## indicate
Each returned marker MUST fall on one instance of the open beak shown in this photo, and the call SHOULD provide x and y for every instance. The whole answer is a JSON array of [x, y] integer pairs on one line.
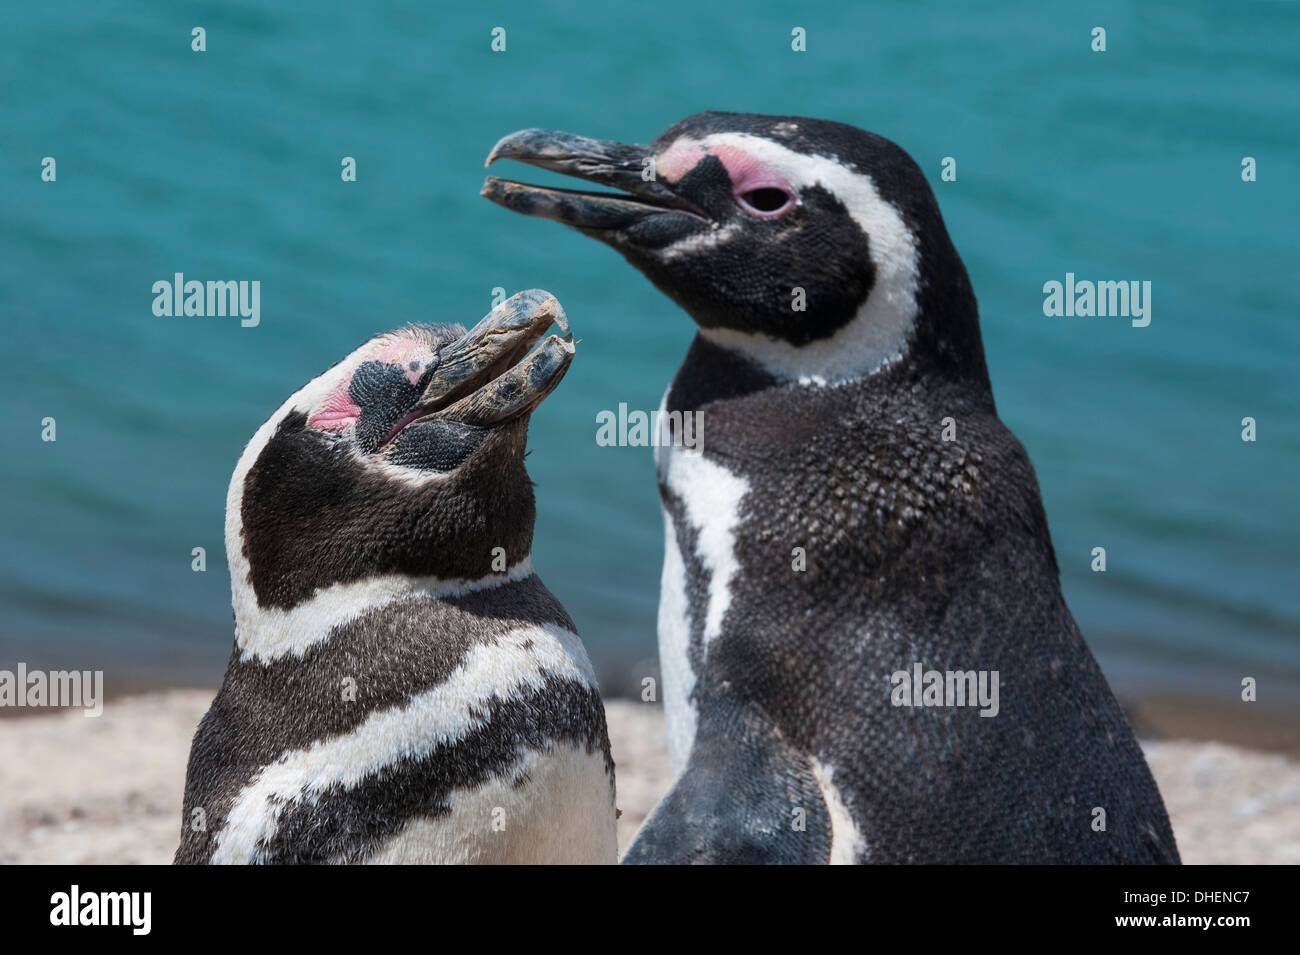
[[605, 163], [484, 378]]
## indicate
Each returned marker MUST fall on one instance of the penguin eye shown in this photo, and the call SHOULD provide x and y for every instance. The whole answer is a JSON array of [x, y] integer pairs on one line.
[[768, 201]]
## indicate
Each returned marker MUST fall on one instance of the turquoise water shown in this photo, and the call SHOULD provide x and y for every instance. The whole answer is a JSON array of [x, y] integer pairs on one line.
[[225, 164]]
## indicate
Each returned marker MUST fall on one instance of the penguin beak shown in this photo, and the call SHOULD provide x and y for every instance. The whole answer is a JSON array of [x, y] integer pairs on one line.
[[484, 378], [606, 163]]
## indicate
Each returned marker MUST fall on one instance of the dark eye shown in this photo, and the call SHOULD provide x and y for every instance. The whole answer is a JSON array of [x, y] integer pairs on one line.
[[766, 201]]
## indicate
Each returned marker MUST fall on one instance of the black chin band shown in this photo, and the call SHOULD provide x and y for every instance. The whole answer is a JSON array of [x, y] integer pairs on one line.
[[436, 445]]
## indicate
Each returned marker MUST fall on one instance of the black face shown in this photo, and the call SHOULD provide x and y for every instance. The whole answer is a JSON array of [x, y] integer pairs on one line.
[[761, 263], [406, 459], [731, 231]]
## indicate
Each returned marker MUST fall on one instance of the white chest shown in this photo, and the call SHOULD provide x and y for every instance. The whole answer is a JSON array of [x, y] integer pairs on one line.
[[554, 804], [710, 500], [563, 814]]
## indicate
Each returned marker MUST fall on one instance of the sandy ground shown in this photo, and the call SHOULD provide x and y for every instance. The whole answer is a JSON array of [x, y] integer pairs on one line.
[[108, 790]]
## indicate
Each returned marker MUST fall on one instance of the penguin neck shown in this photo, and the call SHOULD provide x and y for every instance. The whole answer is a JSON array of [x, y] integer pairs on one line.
[[929, 329], [875, 336], [948, 359], [269, 633], [712, 372]]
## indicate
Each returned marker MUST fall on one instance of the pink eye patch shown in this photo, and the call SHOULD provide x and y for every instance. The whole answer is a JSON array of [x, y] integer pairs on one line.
[[757, 187], [338, 410]]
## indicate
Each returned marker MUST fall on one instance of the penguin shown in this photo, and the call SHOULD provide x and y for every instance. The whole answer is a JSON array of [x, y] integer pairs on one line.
[[856, 516], [403, 688]]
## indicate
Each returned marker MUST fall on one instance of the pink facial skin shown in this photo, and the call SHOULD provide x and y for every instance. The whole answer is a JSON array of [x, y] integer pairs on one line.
[[746, 173], [338, 410]]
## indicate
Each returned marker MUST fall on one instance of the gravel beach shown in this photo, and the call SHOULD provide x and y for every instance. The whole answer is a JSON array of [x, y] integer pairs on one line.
[[108, 790]]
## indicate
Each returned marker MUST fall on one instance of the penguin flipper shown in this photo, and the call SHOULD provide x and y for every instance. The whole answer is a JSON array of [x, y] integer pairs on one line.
[[746, 797]]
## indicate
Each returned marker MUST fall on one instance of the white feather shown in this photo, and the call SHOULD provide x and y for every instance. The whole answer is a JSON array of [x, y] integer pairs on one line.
[[877, 335], [847, 842], [562, 815], [439, 716], [711, 498], [267, 633]]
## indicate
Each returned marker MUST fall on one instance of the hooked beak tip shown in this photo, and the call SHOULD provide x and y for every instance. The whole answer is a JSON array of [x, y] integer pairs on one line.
[[552, 309], [509, 145]]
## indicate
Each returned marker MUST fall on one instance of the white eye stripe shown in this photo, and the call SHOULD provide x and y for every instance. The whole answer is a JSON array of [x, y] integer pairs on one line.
[[306, 401], [877, 335]]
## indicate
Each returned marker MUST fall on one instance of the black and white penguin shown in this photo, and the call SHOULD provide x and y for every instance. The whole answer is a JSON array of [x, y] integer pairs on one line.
[[403, 688], [828, 538]]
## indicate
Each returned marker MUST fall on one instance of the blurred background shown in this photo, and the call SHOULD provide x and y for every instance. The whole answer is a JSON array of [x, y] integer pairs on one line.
[[225, 165]]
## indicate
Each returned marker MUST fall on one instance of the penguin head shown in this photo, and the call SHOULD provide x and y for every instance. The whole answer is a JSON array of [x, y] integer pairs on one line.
[[404, 458], [813, 248]]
